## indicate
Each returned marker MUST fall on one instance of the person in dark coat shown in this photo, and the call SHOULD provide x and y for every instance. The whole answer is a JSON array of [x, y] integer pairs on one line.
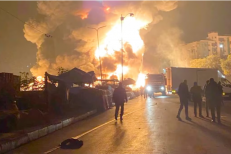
[[145, 92], [184, 97], [220, 92], [206, 100], [213, 98], [196, 92], [119, 97]]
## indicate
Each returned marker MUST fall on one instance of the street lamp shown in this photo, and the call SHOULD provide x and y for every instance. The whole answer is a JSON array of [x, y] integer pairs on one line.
[[221, 49], [122, 18], [97, 29]]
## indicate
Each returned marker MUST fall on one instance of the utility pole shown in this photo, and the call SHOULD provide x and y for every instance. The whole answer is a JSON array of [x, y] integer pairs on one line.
[[97, 29], [122, 58]]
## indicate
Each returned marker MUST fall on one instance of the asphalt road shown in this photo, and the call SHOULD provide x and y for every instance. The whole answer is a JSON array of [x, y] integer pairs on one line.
[[149, 126]]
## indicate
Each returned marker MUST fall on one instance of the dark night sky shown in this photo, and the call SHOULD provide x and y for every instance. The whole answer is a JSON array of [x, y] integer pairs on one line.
[[195, 19]]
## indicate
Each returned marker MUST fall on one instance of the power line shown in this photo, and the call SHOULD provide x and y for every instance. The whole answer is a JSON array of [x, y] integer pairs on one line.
[[47, 35]]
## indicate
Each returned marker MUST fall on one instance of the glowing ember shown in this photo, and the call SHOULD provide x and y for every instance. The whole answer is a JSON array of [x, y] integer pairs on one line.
[[39, 78], [36, 85]]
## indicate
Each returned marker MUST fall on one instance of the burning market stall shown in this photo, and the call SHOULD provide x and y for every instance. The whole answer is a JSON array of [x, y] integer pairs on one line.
[[68, 88], [128, 83]]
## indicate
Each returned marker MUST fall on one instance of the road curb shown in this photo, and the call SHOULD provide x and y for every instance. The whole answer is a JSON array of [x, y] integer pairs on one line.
[[13, 143]]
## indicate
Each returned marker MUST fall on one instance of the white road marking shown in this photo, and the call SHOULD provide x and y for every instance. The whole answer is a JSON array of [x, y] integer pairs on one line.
[[51, 150], [91, 130]]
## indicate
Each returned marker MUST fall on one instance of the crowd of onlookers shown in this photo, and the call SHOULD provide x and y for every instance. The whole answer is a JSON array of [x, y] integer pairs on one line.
[[213, 93]]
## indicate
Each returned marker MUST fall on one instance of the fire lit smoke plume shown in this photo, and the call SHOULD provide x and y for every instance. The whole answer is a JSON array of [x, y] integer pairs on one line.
[[73, 44]]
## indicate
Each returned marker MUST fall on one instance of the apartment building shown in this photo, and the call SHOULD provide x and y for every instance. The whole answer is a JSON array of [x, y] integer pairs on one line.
[[212, 45]]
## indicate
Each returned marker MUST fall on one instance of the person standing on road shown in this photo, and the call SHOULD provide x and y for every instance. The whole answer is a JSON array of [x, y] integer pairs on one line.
[[119, 97], [196, 92], [141, 91], [145, 92], [221, 93], [214, 99], [184, 97], [206, 98]]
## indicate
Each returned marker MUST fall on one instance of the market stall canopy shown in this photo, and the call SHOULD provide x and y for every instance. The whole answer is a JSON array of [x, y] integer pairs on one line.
[[128, 81], [74, 76]]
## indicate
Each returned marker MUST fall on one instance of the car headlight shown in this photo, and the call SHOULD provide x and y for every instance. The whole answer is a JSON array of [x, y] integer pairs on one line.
[[149, 88], [162, 88]]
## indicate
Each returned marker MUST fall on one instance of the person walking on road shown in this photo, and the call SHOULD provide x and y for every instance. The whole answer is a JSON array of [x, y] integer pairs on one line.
[[119, 97], [206, 98], [184, 97], [214, 99], [196, 92]]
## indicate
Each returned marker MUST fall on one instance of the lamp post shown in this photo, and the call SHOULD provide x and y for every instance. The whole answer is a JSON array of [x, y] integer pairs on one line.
[[122, 18], [97, 29]]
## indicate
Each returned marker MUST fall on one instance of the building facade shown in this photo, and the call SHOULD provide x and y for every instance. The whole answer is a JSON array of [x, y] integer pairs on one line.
[[213, 45]]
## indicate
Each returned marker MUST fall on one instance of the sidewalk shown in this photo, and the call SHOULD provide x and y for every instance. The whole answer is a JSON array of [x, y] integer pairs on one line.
[[10, 141]]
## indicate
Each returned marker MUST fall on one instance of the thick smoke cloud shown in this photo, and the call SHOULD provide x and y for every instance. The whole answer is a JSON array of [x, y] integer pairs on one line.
[[73, 44], [164, 48]]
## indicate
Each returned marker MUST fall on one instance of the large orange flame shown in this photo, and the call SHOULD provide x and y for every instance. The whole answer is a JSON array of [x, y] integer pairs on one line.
[[112, 43]]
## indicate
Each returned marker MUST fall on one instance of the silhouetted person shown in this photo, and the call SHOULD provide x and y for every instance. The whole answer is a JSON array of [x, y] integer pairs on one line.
[[145, 92], [220, 92], [196, 92], [213, 98], [206, 100], [141, 91], [119, 97], [184, 97]]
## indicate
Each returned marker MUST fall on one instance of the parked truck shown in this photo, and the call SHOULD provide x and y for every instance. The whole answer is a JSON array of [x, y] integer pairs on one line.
[[176, 75], [155, 83]]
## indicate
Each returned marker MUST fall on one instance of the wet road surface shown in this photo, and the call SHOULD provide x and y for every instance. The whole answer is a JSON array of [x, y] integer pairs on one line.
[[149, 126]]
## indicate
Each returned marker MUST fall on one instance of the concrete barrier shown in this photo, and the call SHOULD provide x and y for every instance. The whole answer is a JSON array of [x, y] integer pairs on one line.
[[42, 132], [27, 137], [72, 120], [7, 146], [51, 129], [66, 122], [59, 126], [33, 135], [22, 140]]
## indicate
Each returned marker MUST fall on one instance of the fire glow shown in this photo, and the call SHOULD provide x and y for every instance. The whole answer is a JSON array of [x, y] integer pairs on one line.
[[140, 82], [112, 43], [130, 35], [37, 85]]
